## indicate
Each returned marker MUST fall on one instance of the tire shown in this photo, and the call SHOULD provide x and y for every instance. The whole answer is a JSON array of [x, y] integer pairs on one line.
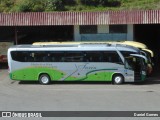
[[44, 79], [118, 79]]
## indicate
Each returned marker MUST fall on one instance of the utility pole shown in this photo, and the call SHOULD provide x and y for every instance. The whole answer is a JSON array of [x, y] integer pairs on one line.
[[16, 40]]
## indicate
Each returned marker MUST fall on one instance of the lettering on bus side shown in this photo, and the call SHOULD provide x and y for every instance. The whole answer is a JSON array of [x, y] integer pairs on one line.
[[89, 68], [43, 65]]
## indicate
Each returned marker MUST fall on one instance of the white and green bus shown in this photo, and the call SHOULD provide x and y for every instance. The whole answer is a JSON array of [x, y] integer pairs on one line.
[[83, 62]]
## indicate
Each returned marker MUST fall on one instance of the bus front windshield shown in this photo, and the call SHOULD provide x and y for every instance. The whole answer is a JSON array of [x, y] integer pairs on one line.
[[134, 63]]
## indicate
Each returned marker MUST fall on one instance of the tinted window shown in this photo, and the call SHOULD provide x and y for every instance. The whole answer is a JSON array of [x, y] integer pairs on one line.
[[127, 53], [57, 56], [30, 56], [19, 56], [93, 56], [73, 57], [112, 56]]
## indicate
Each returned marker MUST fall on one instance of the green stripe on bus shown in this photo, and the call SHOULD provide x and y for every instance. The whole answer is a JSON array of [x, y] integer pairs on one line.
[[100, 75], [33, 74]]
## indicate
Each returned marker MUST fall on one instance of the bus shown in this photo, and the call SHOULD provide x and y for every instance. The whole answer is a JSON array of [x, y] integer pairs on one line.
[[144, 49], [83, 62], [3, 51], [131, 43]]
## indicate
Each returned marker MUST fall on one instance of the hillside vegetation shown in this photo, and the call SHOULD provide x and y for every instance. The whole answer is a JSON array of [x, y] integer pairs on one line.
[[75, 5]]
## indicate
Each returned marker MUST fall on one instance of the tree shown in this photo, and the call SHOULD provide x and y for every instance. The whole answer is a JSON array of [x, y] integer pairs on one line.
[[6, 5], [90, 2], [55, 5], [69, 2], [29, 6]]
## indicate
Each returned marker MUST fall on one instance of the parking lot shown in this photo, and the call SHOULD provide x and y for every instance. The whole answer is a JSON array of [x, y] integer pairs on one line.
[[31, 96]]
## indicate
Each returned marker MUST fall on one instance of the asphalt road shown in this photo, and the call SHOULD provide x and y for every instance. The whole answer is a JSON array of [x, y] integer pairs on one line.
[[31, 96]]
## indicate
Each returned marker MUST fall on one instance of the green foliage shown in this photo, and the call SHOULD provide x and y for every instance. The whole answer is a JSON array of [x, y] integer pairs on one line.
[[90, 2], [29, 6], [38, 5], [75, 5], [69, 2], [23, 6], [101, 2], [113, 3], [6, 5], [55, 5]]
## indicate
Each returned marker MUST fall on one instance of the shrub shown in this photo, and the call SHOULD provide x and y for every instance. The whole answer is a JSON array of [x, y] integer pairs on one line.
[[101, 2], [69, 2], [111, 3], [54, 5], [90, 2]]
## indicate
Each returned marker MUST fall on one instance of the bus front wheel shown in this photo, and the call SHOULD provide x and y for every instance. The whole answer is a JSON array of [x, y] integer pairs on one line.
[[44, 79], [118, 79]]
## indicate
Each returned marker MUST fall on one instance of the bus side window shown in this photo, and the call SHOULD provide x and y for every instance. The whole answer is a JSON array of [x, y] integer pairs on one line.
[[62, 59], [112, 56], [30, 58], [47, 58], [107, 58], [116, 58], [57, 56], [52, 59], [19, 56], [26, 58], [42, 57], [93, 56], [74, 56]]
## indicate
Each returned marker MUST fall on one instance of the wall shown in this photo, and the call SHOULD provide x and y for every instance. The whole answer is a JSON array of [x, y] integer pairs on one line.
[[103, 34], [130, 31]]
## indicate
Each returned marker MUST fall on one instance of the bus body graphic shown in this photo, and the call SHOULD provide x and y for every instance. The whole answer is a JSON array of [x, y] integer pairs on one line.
[[32, 73]]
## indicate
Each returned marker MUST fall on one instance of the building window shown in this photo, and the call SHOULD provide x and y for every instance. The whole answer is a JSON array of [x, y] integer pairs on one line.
[[118, 29], [88, 29]]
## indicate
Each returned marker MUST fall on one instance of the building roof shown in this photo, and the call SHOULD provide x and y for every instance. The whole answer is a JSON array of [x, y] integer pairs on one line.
[[80, 18]]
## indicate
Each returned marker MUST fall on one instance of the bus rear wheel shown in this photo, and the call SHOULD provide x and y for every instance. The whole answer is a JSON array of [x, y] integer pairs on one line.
[[44, 79], [118, 79]]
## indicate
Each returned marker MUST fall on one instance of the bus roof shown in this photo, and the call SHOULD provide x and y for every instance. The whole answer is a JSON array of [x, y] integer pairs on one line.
[[132, 43], [78, 47], [150, 51]]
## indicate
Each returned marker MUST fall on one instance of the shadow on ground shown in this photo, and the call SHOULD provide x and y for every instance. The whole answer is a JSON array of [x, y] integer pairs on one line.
[[149, 81]]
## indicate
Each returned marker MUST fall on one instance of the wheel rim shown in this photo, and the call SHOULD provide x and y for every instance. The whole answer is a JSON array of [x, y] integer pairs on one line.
[[118, 79], [45, 79]]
